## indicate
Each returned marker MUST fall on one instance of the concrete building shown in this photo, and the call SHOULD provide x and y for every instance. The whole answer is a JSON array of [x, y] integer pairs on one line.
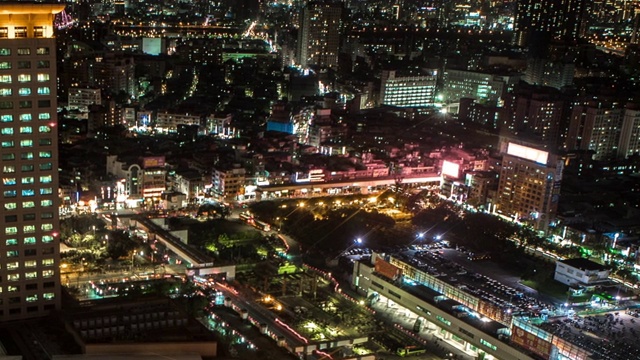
[[408, 88], [580, 272], [595, 126], [30, 260], [168, 122], [82, 98], [630, 132], [482, 86], [228, 182], [319, 34], [529, 185]]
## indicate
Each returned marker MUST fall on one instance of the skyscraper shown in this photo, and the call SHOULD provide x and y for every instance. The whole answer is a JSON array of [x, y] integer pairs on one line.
[[29, 250], [537, 22], [319, 34]]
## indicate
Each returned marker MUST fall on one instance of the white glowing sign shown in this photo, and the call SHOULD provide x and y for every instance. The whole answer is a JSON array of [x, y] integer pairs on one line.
[[528, 153], [450, 169]]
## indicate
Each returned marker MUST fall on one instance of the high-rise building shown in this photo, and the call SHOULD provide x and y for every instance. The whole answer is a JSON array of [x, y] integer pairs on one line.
[[595, 125], [319, 34], [29, 249], [537, 22], [529, 184]]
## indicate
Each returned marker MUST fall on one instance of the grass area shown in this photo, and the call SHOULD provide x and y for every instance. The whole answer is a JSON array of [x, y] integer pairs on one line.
[[549, 287]]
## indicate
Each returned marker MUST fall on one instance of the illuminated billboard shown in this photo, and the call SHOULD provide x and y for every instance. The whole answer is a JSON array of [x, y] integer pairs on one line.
[[153, 161], [528, 153], [451, 169], [387, 270], [531, 342]]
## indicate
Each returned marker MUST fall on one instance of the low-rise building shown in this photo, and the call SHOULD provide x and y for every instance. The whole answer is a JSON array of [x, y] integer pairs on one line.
[[580, 272]]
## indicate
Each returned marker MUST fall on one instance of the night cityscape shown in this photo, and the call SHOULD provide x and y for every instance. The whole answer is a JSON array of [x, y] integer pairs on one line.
[[320, 179]]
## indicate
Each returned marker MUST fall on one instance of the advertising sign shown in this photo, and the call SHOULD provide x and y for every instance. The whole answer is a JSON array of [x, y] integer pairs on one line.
[[153, 161], [531, 342]]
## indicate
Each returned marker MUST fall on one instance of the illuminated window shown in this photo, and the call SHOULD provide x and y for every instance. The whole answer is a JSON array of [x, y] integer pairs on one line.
[[9, 181], [13, 289], [26, 168], [8, 169], [25, 117], [5, 79], [12, 230], [43, 77], [9, 156], [5, 65], [10, 206], [26, 143], [13, 265], [20, 31], [7, 144], [32, 298], [5, 92], [10, 193], [13, 253], [7, 131], [28, 229], [24, 78], [24, 91], [42, 51], [44, 129], [48, 296], [29, 240], [46, 203], [47, 262], [28, 180], [44, 116], [38, 31], [11, 242], [46, 227], [26, 130], [44, 90], [30, 263], [13, 277], [5, 51], [26, 156], [6, 118], [45, 179], [28, 192], [47, 239], [31, 275], [28, 204], [44, 154], [46, 166]]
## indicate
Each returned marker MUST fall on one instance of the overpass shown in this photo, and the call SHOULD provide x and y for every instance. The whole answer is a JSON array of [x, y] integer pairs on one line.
[[185, 252]]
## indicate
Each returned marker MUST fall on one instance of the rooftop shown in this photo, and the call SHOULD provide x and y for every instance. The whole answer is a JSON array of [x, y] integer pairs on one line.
[[583, 264]]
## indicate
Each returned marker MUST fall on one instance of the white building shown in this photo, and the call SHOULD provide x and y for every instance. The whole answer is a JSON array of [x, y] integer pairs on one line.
[[82, 98], [580, 272], [168, 122]]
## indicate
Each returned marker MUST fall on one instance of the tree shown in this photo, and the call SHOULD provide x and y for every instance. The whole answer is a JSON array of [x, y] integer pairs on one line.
[[120, 244]]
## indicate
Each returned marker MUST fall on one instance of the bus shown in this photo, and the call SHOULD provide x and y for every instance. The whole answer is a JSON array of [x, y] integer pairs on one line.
[[245, 216], [261, 225], [410, 351]]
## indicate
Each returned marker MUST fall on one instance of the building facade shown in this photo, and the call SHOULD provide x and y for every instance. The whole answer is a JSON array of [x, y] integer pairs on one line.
[[408, 89], [529, 184], [580, 272], [319, 34], [29, 249]]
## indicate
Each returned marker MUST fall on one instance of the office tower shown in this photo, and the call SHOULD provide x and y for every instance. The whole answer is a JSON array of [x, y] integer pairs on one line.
[[529, 184], [319, 34], [29, 248], [630, 132], [408, 88], [537, 22]]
